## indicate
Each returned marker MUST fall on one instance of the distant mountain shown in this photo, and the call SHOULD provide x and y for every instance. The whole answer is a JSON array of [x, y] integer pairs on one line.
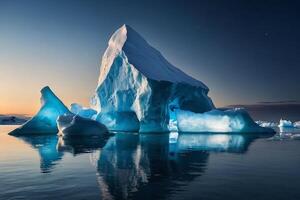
[[273, 111], [13, 119]]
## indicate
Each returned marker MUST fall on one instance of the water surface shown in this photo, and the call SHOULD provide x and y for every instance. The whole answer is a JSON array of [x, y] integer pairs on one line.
[[150, 166]]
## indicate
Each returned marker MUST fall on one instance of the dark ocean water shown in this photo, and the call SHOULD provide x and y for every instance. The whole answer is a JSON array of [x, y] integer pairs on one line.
[[151, 166]]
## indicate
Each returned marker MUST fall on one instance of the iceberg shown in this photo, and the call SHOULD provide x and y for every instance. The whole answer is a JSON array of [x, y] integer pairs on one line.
[[82, 111], [137, 85], [285, 123], [232, 120], [44, 122], [297, 124], [266, 124], [71, 125]]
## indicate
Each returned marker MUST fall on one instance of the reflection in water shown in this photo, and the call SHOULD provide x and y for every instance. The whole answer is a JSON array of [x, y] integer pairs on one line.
[[78, 145], [131, 165], [46, 147], [213, 142], [51, 148]]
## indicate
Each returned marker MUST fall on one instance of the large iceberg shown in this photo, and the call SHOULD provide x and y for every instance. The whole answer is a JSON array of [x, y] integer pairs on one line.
[[139, 90], [137, 85], [44, 122]]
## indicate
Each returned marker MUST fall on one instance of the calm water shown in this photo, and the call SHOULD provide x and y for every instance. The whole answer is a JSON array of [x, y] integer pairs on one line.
[[150, 166]]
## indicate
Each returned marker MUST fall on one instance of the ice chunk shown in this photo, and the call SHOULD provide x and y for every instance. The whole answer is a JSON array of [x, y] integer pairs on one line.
[[44, 122], [266, 124], [285, 123], [82, 111], [233, 120], [138, 99], [74, 125], [297, 124]]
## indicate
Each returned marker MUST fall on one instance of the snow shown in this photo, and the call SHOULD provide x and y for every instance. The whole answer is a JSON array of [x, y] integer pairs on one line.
[[136, 86], [44, 122], [233, 120], [143, 57], [77, 109], [71, 125]]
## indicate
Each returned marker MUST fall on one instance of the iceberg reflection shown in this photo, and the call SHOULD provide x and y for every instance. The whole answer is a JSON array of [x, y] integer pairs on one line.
[[212, 142], [46, 147], [130, 165]]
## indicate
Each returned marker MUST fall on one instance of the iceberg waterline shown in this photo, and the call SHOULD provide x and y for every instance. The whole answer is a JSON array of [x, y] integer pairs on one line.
[[139, 90]]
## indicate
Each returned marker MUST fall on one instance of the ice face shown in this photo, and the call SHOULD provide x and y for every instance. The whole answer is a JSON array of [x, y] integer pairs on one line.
[[234, 120], [71, 125], [82, 111], [44, 122], [137, 85]]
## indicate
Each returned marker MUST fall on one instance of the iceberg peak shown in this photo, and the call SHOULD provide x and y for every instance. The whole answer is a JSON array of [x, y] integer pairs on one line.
[[143, 57]]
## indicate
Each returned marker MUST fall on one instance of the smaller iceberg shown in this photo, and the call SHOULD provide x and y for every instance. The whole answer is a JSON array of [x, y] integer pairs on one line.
[[44, 122], [232, 120], [285, 123], [82, 111], [297, 124], [266, 124], [74, 125]]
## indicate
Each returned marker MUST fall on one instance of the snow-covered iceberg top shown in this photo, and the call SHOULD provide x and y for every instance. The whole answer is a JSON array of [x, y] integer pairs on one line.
[[143, 57], [44, 122]]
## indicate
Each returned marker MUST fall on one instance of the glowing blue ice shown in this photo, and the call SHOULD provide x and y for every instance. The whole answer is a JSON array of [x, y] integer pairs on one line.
[[82, 111], [44, 122]]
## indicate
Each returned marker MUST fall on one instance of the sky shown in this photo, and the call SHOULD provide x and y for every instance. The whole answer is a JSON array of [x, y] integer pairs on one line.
[[244, 51]]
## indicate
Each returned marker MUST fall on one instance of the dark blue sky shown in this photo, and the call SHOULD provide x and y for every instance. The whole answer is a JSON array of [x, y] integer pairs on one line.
[[245, 51]]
